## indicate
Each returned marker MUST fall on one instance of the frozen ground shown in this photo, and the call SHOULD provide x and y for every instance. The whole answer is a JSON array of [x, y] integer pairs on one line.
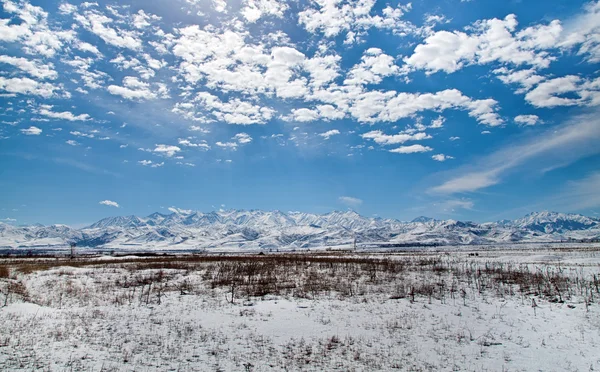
[[303, 312]]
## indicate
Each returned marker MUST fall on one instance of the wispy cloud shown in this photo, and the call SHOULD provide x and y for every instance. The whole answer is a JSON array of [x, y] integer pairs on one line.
[[572, 141], [350, 201]]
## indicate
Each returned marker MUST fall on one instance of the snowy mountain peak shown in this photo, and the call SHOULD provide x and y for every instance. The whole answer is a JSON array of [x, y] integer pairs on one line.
[[422, 219], [549, 222], [256, 229]]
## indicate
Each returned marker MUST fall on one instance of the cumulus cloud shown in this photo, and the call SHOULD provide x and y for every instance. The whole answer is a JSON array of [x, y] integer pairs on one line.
[[441, 157], [135, 89], [31, 131], [187, 143], [150, 163], [46, 110], [374, 66], [383, 139], [332, 17], [527, 119], [551, 93], [329, 133], [253, 10], [100, 25], [27, 86], [227, 145], [492, 40], [242, 138], [36, 69], [166, 150], [109, 203], [411, 149]]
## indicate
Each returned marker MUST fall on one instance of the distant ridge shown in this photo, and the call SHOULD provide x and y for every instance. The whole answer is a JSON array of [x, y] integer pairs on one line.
[[256, 229]]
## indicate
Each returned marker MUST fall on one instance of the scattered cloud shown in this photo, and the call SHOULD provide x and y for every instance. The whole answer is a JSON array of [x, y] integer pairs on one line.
[[411, 149], [527, 119], [441, 157], [31, 131], [110, 203], [350, 201], [242, 138], [383, 139], [150, 163], [166, 150], [329, 133]]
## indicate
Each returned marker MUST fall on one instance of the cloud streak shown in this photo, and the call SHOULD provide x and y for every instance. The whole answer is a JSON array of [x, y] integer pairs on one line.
[[572, 141]]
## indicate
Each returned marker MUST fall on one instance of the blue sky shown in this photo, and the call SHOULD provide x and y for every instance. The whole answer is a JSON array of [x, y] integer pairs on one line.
[[473, 110]]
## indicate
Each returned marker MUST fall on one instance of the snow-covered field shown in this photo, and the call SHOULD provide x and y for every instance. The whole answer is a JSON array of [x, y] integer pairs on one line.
[[308, 311]]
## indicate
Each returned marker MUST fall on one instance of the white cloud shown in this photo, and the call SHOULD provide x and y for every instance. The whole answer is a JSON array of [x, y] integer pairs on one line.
[[492, 40], [441, 157], [34, 68], [31, 131], [438, 123], [350, 201], [235, 111], [72, 143], [46, 110], [27, 86], [66, 8], [329, 133], [188, 143], [99, 24], [150, 163], [377, 106], [179, 210], [302, 115], [227, 145], [166, 150], [142, 20], [583, 31], [526, 78], [527, 119], [570, 142], [383, 139], [242, 138], [195, 128], [109, 203], [550, 92], [331, 17], [411, 149], [454, 138], [133, 89], [374, 66], [253, 10], [81, 134]]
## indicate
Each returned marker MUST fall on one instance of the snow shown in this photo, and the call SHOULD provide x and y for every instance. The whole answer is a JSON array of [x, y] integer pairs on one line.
[[79, 318]]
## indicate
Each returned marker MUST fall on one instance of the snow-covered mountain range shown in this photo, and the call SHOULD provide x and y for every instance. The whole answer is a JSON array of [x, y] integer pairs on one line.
[[256, 229]]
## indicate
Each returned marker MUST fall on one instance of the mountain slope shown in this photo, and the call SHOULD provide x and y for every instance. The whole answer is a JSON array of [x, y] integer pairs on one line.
[[256, 229]]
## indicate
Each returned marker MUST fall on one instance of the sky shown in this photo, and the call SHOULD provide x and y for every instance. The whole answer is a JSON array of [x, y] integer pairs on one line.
[[473, 110]]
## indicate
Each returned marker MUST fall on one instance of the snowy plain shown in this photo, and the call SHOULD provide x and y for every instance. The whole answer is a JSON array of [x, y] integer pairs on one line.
[[316, 311]]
